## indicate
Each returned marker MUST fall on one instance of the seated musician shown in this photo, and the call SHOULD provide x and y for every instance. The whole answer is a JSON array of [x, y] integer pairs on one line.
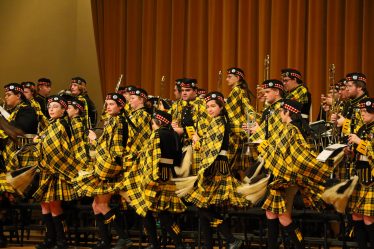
[[360, 204]]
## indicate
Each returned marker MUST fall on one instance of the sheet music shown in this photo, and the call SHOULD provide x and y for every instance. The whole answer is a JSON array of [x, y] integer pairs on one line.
[[4, 113], [328, 151]]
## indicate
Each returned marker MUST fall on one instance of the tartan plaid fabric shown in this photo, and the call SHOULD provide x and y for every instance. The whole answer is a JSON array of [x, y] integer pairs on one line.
[[110, 149], [352, 108], [79, 141], [137, 137], [141, 170], [362, 199], [216, 188], [57, 163], [43, 120], [54, 188], [237, 106], [4, 185], [86, 116], [161, 197], [201, 121], [176, 110], [108, 168], [274, 122], [299, 94], [12, 161], [289, 159]]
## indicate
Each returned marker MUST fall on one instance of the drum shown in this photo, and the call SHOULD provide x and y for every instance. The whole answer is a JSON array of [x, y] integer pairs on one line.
[[25, 140]]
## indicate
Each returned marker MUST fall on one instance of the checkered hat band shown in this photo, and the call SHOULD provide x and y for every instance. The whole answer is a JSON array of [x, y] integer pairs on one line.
[[60, 101], [360, 78], [133, 92], [13, 88], [77, 81], [364, 105], [290, 108], [236, 72], [162, 119], [296, 75], [118, 100], [209, 98], [80, 107], [275, 85], [188, 85]]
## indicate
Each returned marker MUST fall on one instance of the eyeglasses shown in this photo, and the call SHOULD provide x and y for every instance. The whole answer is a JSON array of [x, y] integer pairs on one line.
[[286, 80]]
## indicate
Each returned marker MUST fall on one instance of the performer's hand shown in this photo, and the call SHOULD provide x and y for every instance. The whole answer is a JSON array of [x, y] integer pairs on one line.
[[91, 135], [340, 121], [195, 138], [334, 117], [253, 128], [353, 139], [35, 139]]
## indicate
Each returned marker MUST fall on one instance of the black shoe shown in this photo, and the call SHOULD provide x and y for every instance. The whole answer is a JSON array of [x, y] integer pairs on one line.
[[46, 244], [235, 244], [101, 245], [122, 243]]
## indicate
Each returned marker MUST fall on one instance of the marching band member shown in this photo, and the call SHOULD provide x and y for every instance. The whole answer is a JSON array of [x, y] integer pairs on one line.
[[140, 126], [23, 117], [215, 188], [30, 92], [288, 158], [58, 168], [193, 119], [296, 90], [78, 89], [107, 172], [176, 107], [360, 204], [80, 141], [350, 116], [239, 110], [158, 160], [271, 122], [43, 90]]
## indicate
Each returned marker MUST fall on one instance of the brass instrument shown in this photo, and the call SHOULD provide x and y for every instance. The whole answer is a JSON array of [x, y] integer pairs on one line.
[[334, 104], [161, 90], [259, 108], [219, 81]]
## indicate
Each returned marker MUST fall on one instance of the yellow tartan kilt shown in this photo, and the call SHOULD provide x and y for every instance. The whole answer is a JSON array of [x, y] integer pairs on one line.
[[4, 185], [161, 196], [53, 187], [217, 189], [91, 184], [362, 200]]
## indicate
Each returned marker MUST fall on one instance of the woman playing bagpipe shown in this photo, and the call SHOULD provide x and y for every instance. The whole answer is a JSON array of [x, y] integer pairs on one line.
[[288, 159], [29, 91], [157, 161], [22, 120], [215, 187], [360, 205], [238, 109], [59, 167], [107, 172]]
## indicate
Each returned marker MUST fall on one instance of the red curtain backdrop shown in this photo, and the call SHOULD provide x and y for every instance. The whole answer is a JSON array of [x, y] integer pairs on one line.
[[147, 39]]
